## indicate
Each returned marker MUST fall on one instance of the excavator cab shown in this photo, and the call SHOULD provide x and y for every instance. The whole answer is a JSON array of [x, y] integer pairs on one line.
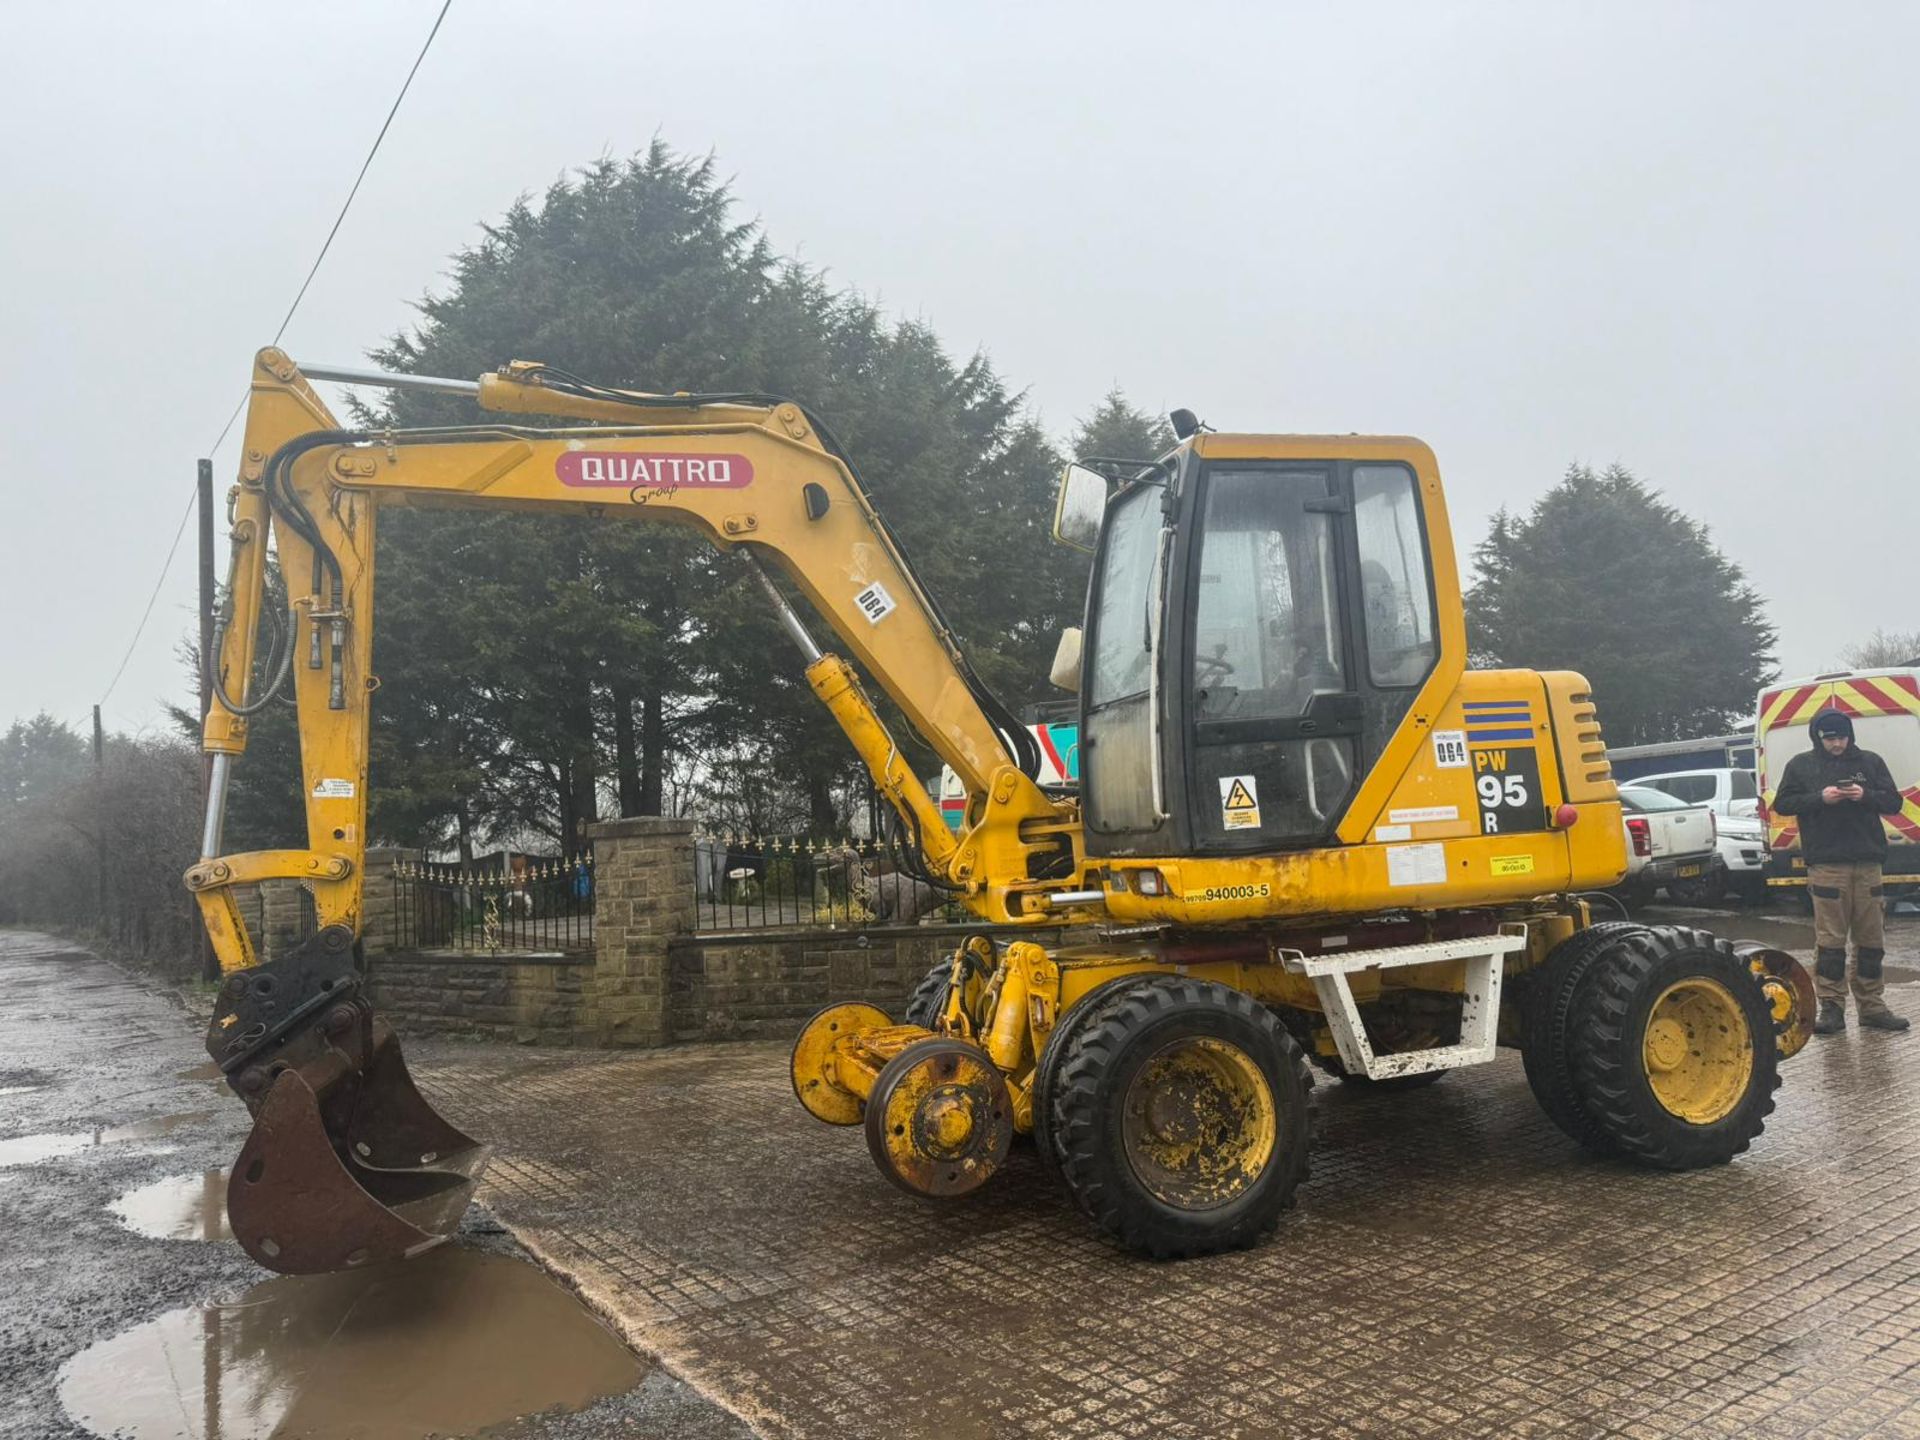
[[1261, 620]]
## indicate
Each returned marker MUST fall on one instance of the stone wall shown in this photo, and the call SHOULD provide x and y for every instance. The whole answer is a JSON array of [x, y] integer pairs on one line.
[[766, 986], [536, 1002], [614, 996]]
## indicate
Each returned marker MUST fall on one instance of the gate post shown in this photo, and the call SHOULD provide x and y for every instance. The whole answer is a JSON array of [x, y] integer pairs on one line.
[[379, 906], [643, 897]]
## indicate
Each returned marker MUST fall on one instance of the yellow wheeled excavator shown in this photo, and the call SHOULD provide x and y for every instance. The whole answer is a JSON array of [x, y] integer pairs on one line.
[[1304, 833]]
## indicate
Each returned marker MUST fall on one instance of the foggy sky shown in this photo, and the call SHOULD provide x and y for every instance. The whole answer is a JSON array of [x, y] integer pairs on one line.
[[1681, 237]]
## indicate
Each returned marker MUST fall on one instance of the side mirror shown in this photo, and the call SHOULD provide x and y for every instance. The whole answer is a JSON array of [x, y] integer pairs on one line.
[[1078, 507], [1065, 673]]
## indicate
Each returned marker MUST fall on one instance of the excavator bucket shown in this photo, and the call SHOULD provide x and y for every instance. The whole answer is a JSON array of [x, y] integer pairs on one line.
[[347, 1163]]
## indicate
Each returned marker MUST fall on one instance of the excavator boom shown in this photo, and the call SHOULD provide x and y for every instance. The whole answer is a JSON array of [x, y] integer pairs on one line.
[[348, 1162]]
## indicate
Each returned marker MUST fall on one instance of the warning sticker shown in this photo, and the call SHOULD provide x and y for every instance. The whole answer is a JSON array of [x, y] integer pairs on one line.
[[1512, 864], [1416, 864], [874, 603], [1239, 802], [333, 790], [1450, 749], [1424, 813]]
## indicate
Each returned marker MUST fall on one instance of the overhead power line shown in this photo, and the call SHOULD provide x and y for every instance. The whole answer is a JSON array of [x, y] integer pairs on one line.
[[172, 550], [325, 245]]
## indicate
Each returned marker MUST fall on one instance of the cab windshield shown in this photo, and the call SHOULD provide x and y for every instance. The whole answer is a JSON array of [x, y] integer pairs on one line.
[[1266, 634]]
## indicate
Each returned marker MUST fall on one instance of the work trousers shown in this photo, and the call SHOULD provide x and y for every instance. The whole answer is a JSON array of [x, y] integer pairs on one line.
[[1847, 899]]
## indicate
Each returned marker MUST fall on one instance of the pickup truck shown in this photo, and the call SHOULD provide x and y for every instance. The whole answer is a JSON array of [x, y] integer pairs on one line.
[[1669, 842], [1734, 798]]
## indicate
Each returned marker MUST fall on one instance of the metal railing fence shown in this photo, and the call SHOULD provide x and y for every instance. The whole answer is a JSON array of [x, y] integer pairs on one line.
[[541, 904], [791, 882]]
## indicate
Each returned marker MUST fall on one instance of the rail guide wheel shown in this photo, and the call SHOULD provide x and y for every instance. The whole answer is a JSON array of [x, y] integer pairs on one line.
[[812, 1065], [939, 1121]]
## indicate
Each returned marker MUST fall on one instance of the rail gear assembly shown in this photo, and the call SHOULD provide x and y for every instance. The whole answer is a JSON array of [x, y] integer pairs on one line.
[[1304, 831]]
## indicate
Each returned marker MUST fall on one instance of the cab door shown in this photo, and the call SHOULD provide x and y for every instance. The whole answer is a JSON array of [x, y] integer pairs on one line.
[[1309, 628]]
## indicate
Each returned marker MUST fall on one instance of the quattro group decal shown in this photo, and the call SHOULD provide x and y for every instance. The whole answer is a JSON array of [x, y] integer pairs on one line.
[[625, 470], [1506, 781]]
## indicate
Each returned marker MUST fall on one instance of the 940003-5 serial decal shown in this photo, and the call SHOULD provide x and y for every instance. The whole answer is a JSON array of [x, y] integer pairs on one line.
[[1229, 892]]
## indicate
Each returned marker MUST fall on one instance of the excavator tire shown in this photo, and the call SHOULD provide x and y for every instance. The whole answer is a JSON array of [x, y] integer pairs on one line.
[[1545, 1014], [1673, 1050], [1046, 1071], [1180, 1119], [929, 997]]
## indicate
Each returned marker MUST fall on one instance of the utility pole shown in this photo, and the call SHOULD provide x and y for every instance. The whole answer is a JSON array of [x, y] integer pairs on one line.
[[209, 963], [99, 820]]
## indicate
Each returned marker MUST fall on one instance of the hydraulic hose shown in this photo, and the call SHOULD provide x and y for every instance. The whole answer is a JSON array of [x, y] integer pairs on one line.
[[277, 671]]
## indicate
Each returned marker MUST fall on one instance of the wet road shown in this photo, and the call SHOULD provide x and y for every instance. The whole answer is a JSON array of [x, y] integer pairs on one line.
[[1455, 1267], [126, 1307]]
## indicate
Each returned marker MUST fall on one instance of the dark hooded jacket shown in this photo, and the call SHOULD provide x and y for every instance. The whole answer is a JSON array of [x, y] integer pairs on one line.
[[1850, 832]]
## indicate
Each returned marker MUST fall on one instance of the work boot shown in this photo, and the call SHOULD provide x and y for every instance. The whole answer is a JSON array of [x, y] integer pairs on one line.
[[1831, 1020], [1881, 1019]]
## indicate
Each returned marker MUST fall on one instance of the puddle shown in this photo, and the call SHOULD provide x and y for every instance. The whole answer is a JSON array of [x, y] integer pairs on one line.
[[27, 1149], [205, 1071], [181, 1207], [448, 1344]]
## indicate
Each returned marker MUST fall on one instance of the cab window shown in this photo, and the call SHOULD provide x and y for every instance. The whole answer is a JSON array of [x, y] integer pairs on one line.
[[1395, 590]]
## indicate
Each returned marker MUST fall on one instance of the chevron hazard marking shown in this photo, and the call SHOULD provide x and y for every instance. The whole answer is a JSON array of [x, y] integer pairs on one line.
[[1239, 802]]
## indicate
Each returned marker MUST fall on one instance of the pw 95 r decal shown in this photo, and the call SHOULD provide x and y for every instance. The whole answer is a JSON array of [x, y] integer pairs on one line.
[[1506, 782]]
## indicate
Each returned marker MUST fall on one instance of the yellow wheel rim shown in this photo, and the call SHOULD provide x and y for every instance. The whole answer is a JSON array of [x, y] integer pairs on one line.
[[1198, 1124], [1698, 1051]]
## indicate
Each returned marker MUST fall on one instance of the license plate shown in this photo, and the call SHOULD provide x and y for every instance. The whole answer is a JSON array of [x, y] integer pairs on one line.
[[1687, 872]]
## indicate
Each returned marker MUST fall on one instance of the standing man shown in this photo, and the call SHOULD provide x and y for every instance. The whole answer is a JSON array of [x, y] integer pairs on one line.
[[1839, 792]]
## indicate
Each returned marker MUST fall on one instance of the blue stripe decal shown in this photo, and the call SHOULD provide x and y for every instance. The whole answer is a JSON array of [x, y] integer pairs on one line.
[[1493, 705], [1522, 734]]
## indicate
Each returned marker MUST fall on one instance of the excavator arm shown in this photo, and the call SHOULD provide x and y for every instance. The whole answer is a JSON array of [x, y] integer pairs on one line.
[[347, 1161]]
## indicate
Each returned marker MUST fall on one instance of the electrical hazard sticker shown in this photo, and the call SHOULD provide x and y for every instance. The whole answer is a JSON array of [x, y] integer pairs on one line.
[[874, 602], [333, 790], [1239, 802]]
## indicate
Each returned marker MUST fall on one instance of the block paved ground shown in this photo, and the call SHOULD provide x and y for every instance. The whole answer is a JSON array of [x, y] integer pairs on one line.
[[1456, 1266]]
